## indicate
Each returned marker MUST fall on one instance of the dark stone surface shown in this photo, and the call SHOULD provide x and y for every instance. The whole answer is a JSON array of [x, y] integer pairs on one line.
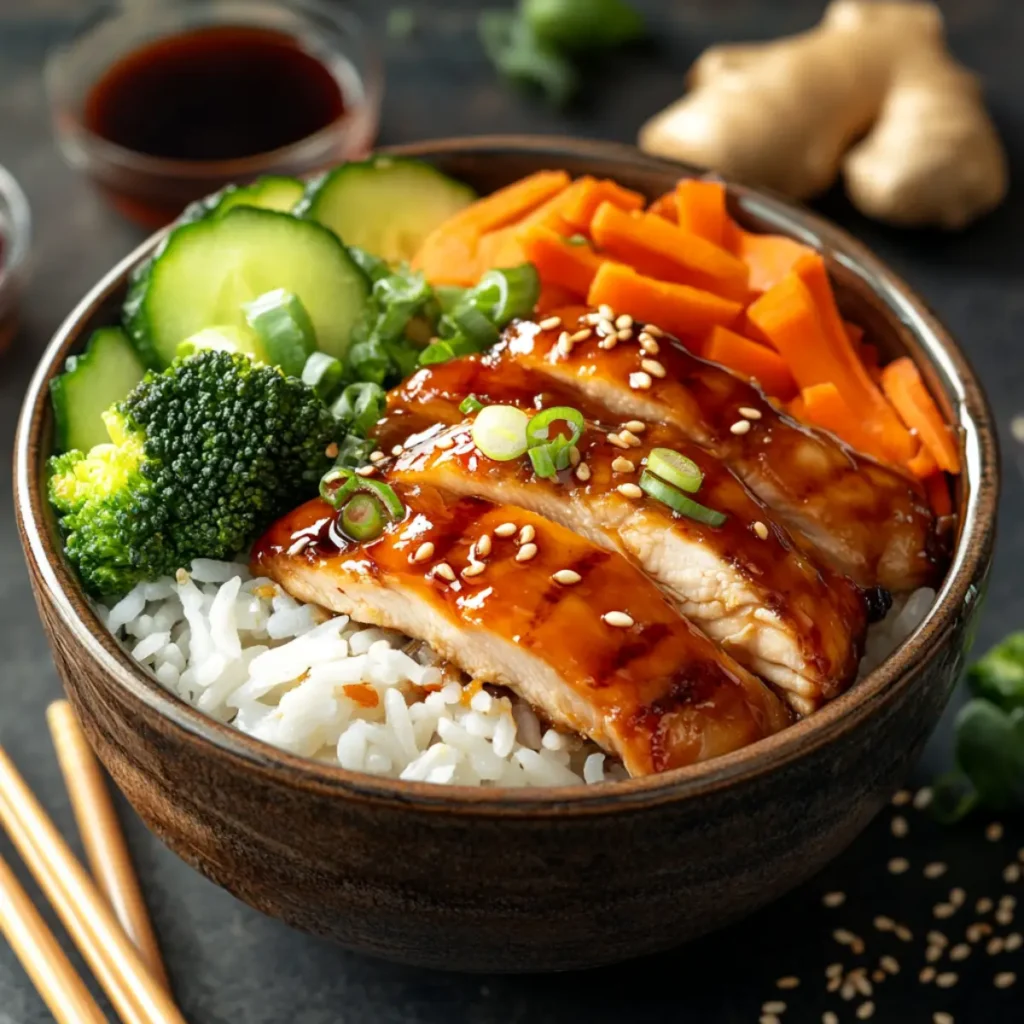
[[229, 963]]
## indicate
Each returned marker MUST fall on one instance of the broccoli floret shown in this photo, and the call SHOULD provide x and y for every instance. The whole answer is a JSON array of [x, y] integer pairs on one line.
[[202, 458]]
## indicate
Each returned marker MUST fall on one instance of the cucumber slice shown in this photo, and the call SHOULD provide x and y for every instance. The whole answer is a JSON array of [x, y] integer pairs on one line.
[[223, 338], [386, 205], [208, 269], [90, 384], [284, 330], [273, 192]]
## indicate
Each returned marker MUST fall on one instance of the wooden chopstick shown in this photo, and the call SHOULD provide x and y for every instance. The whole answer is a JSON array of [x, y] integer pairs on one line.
[[101, 834], [34, 945], [135, 994]]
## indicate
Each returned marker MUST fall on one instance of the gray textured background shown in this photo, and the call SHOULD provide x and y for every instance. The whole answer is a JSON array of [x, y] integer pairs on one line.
[[228, 963]]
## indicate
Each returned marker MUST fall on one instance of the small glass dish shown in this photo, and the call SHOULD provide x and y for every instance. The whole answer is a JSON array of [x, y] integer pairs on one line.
[[15, 239], [154, 189]]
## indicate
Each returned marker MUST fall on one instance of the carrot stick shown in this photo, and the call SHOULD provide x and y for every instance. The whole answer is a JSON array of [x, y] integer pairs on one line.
[[676, 308], [659, 249], [559, 262], [749, 359], [903, 386], [665, 206], [448, 254], [579, 210], [768, 257], [922, 465], [824, 406], [700, 209], [554, 296], [937, 489]]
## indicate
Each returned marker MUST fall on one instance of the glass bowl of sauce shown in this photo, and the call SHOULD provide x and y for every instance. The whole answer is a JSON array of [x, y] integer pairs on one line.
[[161, 104], [15, 234]]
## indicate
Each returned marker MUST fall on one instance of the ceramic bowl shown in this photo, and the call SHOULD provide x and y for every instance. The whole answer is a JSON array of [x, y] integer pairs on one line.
[[548, 879]]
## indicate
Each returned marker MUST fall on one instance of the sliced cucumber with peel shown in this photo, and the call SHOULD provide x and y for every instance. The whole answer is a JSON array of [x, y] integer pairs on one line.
[[385, 205], [210, 269], [269, 193], [90, 384]]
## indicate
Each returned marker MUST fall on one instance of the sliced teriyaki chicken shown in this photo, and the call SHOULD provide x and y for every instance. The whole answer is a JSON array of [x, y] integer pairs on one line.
[[744, 583], [576, 630], [869, 521]]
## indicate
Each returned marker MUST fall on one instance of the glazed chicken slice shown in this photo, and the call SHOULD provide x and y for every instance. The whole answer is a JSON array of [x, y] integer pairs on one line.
[[576, 630], [743, 582], [869, 521]]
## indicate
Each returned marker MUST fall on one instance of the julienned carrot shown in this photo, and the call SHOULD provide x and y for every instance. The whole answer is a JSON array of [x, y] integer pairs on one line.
[[676, 308], [580, 209], [700, 209], [851, 377], [750, 359], [903, 386], [560, 262], [768, 257], [448, 254], [665, 207], [823, 406], [937, 489], [661, 250]]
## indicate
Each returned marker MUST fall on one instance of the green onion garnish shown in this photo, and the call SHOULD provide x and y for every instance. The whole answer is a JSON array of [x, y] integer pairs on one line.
[[391, 501], [350, 483], [506, 294], [554, 453], [362, 518], [679, 502], [499, 431], [677, 469], [470, 404], [543, 461]]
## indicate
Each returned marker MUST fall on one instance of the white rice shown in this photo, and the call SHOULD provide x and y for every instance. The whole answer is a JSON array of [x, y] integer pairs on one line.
[[243, 651]]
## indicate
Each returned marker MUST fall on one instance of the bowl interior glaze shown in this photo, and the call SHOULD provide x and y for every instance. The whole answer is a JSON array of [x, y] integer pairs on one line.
[[868, 292]]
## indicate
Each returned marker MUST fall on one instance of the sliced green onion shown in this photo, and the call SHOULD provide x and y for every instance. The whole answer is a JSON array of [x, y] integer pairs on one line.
[[509, 293], [362, 518], [369, 360], [577, 240], [677, 469], [324, 374], [372, 266], [470, 404], [360, 406], [443, 349], [499, 431], [543, 460], [679, 502], [354, 452], [557, 452], [337, 484], [475, 326], [449, 296], [391, 501]]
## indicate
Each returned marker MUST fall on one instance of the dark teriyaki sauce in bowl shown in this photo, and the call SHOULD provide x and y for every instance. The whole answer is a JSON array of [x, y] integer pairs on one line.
[[218, 93]]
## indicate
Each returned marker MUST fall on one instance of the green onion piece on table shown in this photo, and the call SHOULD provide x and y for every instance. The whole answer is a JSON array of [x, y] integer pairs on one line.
[[499, 431], [583, 26], [679, 502], [677, 469]]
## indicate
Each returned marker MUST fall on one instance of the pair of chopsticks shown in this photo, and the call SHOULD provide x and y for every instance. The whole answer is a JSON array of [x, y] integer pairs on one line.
[[106, 918]]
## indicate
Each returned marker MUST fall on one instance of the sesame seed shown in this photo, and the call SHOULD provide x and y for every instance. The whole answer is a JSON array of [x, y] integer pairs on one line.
[[653, 367], [957, 896], [527, 533], [623, 321], [788, 983], [637, 426], [860, 981], [377, 456], [833, 984], [574, 456], [366, 471], [654, 330], [1011, 873], [629, 491], [828, 1017], [903, 933], [1007, 901], [583, 472], [181, 576], [606, 311], [618, 441], [977, 931], [1013, 942], [943, 910], [640, 381], [505, 530], [927, 975], [526, 552], [649, 345], [550, 323], [937, 938], [878, 976], [889, 964], [994, 832], [590, 318], [922, 798], [995, 946], [933, 954], [899, 826], [834, 899], [608, 343], [947, 979], [843, 936], [984, 905], [1004, 916], [898, 865], [769, 1018], [774, 1006], [740, 427], [618, 619], [445, 442], [761, 530], [564, 345], [884, 924], [423, 552], [483, 545], [580, 335], [935, 870], [941, 1017], [606, 328], [474, 569], [1004, 979], [397, 450], [624, 335], [749, 412], [961, 951], [857, 946], [899, 799], [620, 464], [331, 451], [630, 438], [445, 571], [865, 1010], [833, 970], [567, 577]]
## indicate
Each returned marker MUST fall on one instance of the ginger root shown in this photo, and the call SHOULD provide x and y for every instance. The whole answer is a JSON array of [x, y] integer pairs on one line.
[[785, 115]]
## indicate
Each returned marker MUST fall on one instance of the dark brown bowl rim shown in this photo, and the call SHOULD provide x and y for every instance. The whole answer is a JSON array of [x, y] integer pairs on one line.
[[949, 373]]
